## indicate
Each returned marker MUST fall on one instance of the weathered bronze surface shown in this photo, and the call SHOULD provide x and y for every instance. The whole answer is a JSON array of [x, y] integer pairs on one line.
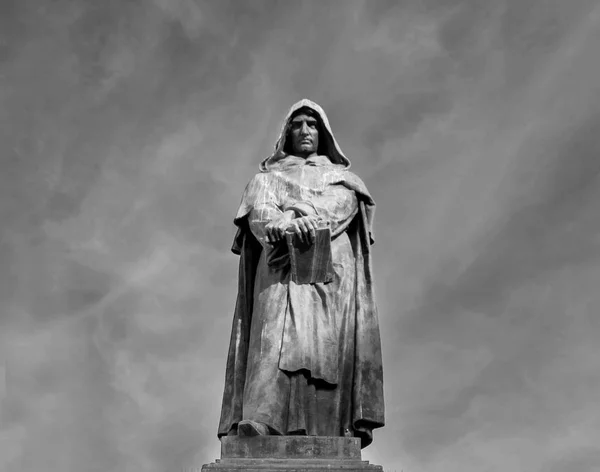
[[290, 447], [291, 453], [304, 358]]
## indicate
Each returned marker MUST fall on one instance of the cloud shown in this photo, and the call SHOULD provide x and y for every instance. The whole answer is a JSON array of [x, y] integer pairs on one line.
[[128, 134]]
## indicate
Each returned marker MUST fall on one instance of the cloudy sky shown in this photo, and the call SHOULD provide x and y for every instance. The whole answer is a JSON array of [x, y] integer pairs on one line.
[[128, 132]]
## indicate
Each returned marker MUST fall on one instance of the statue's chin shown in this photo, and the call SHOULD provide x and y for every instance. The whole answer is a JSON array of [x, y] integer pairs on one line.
[[304, 153]]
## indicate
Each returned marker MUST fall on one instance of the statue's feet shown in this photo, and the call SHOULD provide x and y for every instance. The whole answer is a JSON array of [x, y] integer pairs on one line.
[[252, 428]]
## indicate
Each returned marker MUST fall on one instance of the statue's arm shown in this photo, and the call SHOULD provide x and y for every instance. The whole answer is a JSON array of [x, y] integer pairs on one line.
[[268, 222], [261, 209], [338, 205]]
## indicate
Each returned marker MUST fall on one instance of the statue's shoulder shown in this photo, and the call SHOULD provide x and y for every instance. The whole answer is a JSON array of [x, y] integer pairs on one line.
[[260, 178], [260, 181], [351, 177], [354, 182]]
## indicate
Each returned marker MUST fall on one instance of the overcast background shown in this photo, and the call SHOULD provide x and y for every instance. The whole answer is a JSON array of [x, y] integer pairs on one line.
[[128, 130]]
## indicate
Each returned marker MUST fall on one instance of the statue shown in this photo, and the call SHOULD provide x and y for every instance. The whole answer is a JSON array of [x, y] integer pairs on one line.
[[305, 351]]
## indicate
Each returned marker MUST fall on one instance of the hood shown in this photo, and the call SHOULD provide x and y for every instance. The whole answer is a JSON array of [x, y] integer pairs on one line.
[[331, 147]]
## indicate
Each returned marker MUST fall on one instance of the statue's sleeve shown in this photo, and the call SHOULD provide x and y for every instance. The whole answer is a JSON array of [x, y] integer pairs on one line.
[[336, 204], [259, 217], [260, 205]]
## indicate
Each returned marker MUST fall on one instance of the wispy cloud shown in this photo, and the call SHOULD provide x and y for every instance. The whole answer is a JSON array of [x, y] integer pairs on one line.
[[128, 134]]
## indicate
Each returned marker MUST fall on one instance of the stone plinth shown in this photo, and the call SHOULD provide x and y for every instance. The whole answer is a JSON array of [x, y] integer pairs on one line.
[[290, 454]]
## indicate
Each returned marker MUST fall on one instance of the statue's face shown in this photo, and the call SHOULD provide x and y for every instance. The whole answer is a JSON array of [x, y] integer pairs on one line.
[[305, 135]]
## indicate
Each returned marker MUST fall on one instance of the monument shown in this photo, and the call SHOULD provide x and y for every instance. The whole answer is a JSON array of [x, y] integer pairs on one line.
[[304, 381]]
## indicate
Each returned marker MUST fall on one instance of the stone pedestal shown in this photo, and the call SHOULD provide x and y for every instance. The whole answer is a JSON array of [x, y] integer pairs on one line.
[[290, 454]]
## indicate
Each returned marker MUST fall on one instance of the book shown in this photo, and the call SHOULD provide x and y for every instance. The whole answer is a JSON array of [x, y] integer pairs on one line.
[[311, 263]]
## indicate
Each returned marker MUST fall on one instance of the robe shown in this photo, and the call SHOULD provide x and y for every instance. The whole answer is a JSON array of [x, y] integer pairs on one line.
[[305, 358]]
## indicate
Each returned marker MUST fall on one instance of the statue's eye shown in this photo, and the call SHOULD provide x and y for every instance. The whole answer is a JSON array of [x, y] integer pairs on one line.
[[299, 124]]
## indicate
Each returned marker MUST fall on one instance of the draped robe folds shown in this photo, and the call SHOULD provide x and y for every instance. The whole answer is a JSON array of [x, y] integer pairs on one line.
[[305, 358]]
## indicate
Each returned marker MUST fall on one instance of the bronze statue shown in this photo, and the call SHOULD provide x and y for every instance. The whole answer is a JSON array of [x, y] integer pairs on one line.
[[305, 351]]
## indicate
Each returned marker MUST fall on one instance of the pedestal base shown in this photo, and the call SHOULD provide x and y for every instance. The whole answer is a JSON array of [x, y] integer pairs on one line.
[[290, 454]]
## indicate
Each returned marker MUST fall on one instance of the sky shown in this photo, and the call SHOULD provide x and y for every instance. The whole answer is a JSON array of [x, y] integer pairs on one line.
[[128, 132]]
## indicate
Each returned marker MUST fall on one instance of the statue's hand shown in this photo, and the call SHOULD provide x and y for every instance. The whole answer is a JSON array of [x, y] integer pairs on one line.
[[275, 230], [305, 228]]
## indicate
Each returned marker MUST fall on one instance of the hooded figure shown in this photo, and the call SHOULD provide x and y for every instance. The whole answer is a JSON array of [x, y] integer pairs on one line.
[[304, 358]]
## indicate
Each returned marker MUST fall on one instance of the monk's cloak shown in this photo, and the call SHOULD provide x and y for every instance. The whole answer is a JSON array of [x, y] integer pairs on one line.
[[312, 355]]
